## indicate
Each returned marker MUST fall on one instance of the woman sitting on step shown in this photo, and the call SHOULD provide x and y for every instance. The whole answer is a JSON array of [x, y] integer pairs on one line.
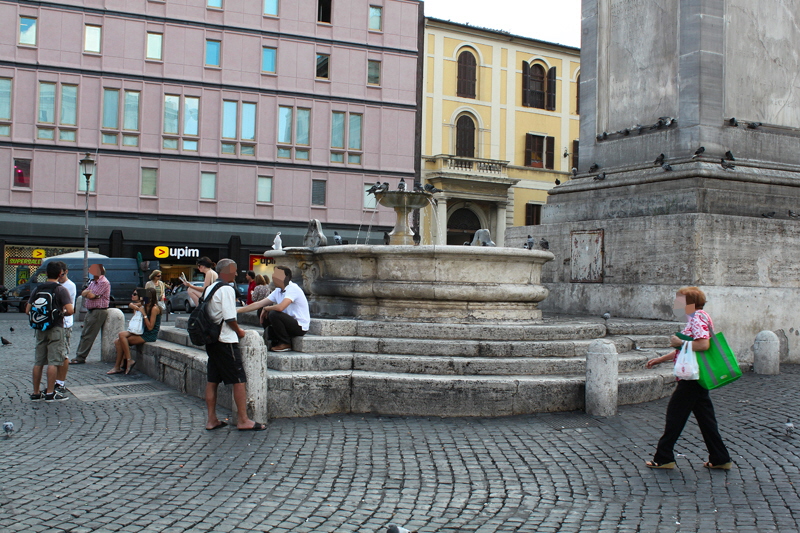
[[151, 317]]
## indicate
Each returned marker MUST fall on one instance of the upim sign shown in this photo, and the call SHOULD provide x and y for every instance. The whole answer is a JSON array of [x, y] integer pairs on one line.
[[162, 252]]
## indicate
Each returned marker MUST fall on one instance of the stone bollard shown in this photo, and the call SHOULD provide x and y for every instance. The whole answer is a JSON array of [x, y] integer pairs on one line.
[[80, 310], [766, 354], [254, 358], [602, 370], [114, 324]]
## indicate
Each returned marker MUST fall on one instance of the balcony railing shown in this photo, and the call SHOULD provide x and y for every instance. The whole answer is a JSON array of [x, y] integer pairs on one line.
[[450, 163]]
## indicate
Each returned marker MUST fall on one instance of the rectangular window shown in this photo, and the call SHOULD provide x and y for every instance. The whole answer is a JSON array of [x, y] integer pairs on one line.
[[69, 105], [285, 125], [533, 214], [324, 11], [229, 112], [294, 128], [303, 121], [271, 8], [318, 189], [22, 173], [375, 18], [92, 37], [172, 122], [373, 72], [370, 201], [354, 132], [27, 31], [5, 99], [149, 182], [352, 141], [208, 186], [111, 109], [268, 56], [337, 130], [323, 64], [264, 193], [47, 103], [213, 53], [191, 115], [171, 110], [155, 43], [130, 116], [215, 4], [248, 132]]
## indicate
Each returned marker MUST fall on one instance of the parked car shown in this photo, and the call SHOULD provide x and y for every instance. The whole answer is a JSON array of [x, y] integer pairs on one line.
[[241, 293], [180, 300]]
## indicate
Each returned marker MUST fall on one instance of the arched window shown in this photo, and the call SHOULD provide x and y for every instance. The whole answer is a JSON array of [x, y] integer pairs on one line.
[[467, 74], [465, 137], [538, 89]]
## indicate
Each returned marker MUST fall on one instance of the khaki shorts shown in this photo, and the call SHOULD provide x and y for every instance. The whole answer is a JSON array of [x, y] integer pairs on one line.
[[67, 338], [50, 347]]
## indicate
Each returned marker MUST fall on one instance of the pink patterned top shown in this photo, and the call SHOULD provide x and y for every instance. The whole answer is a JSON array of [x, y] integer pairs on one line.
[[699, 325]]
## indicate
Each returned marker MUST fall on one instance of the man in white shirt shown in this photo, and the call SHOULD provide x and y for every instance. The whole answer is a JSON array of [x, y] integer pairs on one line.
[[288, 316], [224, 359], [61, 376]]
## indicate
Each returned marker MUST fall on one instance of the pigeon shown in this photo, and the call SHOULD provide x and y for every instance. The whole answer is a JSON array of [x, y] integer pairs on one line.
[[625, 132], [793, 214], [602, 136], [374, 188], [606, 316], [594, 167], [574, 171], [543, 244], [397, 529], [733, 122], [667, 167], [558, 181], [600, 177], [418, 187], [12, 329], [337, 238], [788, 425], [729, 156], [384, 187], [8, 427], [771, 214], [531, 242], [402, 185], [5, 341], [754, 125], [726, 165], [431, 189], [386, 237], [659, 160], [277, 244], [658, 125], [699, 152]]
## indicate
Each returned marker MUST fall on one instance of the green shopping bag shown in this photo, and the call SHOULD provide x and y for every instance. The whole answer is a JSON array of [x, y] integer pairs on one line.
[[718, 365]]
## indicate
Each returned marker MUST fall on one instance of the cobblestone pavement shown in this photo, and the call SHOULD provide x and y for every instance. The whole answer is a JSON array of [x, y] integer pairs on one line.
[[128, 454]]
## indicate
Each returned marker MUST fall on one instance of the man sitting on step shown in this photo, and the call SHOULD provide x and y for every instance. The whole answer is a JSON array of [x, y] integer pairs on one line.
[[288, 315]]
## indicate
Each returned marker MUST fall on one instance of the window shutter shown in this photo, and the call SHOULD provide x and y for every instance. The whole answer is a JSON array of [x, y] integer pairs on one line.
[[575, 154], [528, 148], [465, 137], [551, 89], [467, 72], [526, 84], [550, 148]]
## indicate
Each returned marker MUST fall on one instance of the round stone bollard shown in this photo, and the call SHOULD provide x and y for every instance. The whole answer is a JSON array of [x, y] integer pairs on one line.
[[766, 354], [254, 360], [114, 324], [602, 372]]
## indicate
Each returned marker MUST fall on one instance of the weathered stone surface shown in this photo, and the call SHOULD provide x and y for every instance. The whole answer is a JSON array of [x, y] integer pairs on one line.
[[254, 359], [113, 326], [602, 376], [766, 354], [295, 394]]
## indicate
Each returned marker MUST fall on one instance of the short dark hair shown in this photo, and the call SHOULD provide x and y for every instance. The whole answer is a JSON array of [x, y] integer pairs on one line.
[[64, 266], [252, 274], [54, 269], [287, 271]]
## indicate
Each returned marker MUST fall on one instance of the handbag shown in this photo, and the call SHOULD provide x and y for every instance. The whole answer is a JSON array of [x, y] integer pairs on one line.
[[136, 325], [686, 367], [718, 365]]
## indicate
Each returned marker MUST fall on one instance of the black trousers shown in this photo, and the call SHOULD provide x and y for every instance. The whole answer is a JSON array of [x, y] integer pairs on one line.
[[282, 327], [689, 397]]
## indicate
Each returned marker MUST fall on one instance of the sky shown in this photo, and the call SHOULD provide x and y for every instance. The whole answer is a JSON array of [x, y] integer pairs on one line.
[[555, 21]]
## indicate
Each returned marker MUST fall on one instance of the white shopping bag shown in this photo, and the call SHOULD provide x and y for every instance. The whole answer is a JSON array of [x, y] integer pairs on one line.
[[686, 366]]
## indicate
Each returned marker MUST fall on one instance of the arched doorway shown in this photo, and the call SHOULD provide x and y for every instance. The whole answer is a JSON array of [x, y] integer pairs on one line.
[[461, 226]]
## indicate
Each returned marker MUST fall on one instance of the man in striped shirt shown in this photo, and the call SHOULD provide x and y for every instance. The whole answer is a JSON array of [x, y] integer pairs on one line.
[[96, 297]]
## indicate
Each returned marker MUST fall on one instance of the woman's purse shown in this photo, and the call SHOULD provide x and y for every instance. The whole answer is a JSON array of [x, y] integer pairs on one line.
[[686, 367], [136, 325]]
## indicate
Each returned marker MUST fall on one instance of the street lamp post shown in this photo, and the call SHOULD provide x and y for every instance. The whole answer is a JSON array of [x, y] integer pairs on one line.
[[87, 169]]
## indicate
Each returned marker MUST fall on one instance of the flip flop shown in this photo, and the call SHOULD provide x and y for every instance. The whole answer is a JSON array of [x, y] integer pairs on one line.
[[112, 372], [77, 362], [663, 466], [130, 367], [256, 427], [220, 425], [723, 466]]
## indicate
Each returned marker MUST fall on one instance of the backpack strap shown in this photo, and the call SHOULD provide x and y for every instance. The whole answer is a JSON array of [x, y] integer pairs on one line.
[[217, 285]]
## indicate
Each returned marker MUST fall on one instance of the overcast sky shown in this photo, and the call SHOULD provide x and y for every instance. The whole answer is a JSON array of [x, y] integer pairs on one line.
[[556, 21]]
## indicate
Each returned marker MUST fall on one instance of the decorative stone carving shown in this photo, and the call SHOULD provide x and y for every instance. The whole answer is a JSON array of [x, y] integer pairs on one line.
[[314, 236]]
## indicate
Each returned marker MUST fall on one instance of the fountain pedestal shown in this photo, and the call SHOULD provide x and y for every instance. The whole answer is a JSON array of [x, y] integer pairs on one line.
[[403, 203]]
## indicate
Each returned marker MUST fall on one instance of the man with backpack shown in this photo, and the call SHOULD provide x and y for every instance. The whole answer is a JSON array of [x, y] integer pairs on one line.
[[47, 306], [224, 359]]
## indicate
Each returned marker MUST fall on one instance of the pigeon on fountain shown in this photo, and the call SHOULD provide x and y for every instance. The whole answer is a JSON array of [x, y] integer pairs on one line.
[[531, 242], [544, 244], [337, 239], [402, 185], [277, 244], [431, 189], [374, 188], [418, 187], [384, 187]]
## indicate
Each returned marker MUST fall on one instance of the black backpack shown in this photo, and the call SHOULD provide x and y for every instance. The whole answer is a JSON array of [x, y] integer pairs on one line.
[[43, 313], [201, 329]]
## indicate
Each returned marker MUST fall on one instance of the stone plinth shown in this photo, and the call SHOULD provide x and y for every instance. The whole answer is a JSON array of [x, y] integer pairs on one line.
[[437, 283]]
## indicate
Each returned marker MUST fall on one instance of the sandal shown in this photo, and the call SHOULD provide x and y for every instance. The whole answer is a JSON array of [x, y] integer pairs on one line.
[[664, 466], [723, 466], [130, 367], [112, 372]]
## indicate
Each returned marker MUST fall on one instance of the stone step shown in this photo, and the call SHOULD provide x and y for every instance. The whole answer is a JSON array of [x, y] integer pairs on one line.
[[445, 365]]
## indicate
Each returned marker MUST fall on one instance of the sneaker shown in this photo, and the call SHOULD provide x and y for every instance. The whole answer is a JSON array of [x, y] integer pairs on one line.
[[282, 348], [38, 396], [61, 388], [55, 397]]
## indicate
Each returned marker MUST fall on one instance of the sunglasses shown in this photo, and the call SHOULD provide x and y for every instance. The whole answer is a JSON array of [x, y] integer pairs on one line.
[[135, 294]]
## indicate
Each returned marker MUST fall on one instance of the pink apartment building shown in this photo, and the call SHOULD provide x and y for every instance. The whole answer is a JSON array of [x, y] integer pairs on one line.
[[214, 123]]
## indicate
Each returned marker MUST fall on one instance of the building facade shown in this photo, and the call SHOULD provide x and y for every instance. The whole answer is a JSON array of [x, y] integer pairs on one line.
[[214, 123], [501, 127]]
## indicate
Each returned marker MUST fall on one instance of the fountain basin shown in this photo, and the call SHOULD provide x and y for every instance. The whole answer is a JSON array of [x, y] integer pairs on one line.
[[429, 283]]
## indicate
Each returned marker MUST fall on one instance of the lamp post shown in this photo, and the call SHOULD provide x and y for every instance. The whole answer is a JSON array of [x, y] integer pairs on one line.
[[87, 169]]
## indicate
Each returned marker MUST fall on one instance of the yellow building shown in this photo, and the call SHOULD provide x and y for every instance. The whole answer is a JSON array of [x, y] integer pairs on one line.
[[500, 128]]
